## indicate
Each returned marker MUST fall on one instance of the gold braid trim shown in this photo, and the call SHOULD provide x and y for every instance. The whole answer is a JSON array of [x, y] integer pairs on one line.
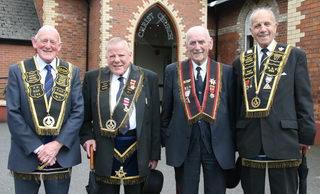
[[113, 180], [113, 133], [270, 163], [124, 156], [37, 176], [258, 114]]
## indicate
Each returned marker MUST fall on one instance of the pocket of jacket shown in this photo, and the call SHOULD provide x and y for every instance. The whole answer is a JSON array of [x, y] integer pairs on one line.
[[289, 124]]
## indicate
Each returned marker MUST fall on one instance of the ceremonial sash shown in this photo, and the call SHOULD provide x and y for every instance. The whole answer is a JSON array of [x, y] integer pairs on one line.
[[111, 121], [47, 114], [259, 94], [193, 109]]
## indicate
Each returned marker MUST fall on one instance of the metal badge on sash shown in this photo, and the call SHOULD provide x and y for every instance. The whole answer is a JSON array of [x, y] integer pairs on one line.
[[48, 121], [268, 80], [187, 94], [255, 102], [111, 124], [126, 102], [212, 87]]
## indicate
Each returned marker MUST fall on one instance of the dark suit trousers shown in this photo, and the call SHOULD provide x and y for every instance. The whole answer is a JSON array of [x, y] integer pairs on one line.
[[60, 186], [282, 180], [115, 189], [188, 175]]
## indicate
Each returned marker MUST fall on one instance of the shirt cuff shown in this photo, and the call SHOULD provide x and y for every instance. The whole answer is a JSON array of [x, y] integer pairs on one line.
[[38, 149]]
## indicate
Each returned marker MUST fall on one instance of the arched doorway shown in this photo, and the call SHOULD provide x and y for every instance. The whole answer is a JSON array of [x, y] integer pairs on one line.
[[155, 42]]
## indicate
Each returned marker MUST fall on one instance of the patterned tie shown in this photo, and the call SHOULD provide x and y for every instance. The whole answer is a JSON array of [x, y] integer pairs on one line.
[[120, 87], [127, 127], [48, 81], [263, 59]]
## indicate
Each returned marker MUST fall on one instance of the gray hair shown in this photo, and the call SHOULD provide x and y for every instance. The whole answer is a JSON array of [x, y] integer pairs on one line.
[[267, 9], [115, 40], [200, 28], [50, 28]]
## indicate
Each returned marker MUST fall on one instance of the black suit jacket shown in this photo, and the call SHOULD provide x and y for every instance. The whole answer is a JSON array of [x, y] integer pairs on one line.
[[291, 119], [176, 131], [148, 124]]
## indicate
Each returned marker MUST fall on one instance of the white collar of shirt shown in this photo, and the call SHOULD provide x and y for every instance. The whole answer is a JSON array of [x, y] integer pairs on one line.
[[203, 69], [43, 70], [115, 84], [270, 48], [42, 64]]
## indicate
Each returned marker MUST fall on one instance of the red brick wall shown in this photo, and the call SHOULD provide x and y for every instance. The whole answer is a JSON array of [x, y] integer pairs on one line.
[[11, 54], [228, 45], [38, 5], [311, 45], [94, 35], [72, 26]]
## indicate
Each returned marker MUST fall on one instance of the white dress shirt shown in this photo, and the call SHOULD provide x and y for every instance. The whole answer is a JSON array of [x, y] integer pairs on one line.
[[203, 69], [43, 70], [270, 49], [115, 84]]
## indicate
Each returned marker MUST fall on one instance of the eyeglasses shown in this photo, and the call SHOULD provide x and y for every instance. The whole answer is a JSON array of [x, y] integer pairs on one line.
[[45, 41]]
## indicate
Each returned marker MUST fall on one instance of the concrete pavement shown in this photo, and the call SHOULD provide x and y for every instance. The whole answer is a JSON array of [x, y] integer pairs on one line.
[[80, 172]]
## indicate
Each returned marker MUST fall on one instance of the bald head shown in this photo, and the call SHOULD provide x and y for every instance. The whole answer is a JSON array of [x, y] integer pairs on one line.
[[197, 29], [48, 28], [199, 43]]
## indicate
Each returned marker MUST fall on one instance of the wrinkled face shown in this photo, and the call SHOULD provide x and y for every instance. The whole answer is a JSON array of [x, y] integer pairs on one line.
[[198, 45], [118, 57], [263, 28], [47, 44]]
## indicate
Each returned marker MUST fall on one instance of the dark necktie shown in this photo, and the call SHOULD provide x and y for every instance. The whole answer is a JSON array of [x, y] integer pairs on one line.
[[120, 87], [48, 83], [199, 84], [127, 127], [263, 59]]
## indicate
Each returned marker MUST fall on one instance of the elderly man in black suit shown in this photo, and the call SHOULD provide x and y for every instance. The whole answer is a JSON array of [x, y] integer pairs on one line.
[[196, 118], [275, 113], [121, 121], [45, 112]]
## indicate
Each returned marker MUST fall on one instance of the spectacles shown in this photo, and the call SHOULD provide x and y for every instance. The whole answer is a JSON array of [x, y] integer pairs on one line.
[[45, 41]]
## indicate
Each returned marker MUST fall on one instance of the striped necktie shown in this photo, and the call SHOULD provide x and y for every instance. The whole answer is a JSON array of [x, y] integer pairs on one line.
[[48, 83], [263, 59], [127, 127]]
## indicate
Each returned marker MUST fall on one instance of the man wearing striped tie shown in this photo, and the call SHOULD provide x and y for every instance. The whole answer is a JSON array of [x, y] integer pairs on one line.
[[45, 113], [121, 121]]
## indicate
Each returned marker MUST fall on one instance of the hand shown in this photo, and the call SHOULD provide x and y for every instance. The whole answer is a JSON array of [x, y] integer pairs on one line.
[[304, 149], [87, 145], [153, 164], [303, 146], [47, 154]]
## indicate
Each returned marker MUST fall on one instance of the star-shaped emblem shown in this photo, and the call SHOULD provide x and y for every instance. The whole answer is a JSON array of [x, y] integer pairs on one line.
[[281, 48], [212, 81], [120, 173]]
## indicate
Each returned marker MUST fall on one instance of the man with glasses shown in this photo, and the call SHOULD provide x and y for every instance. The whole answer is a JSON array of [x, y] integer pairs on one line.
[[45, 113]]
